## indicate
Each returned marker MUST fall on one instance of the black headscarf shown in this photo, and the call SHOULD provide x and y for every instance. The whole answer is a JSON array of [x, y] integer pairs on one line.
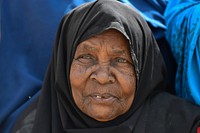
[[57, 111]]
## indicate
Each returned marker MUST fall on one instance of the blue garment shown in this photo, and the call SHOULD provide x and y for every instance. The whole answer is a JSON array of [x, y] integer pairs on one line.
[[28, 29], [152, 11], [183, 35]]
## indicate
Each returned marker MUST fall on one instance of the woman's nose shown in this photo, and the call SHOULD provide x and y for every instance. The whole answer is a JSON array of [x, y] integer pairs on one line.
[[103, 75]]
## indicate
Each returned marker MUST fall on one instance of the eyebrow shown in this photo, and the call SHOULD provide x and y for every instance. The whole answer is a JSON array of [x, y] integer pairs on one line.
[[118, 51], [89, 47]]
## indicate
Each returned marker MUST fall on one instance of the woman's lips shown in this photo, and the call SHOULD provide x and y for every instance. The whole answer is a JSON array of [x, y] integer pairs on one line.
[[106, 97]]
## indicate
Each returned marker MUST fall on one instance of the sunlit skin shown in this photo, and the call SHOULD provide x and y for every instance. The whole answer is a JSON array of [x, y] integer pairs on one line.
[[102, 76]]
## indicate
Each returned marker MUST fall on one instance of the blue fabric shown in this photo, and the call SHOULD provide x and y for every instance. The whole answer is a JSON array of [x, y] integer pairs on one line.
[[28, 29], [183, 34], [152, 11]]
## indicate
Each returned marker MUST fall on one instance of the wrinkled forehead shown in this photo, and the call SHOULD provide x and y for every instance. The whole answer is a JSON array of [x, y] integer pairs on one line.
[[110, 37], [111, 34]]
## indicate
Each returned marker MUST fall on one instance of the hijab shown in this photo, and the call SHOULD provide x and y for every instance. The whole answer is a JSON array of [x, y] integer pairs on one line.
[[57, 111]]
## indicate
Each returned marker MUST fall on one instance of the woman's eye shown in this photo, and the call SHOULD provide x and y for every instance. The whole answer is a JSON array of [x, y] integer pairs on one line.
[[86, 58], [121, 60]]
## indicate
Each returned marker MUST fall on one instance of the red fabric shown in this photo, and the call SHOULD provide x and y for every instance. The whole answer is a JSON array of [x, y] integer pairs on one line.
[[198, 130]]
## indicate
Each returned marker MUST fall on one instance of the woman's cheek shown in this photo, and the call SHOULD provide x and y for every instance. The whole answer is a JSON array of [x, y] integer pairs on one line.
[[77, 74], [127, 81]]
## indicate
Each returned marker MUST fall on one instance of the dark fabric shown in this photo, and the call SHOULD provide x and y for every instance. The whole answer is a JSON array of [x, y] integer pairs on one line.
[[56, 110], [26, 123]]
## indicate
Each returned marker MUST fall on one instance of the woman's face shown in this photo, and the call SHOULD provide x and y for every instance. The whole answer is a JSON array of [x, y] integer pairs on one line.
[[102, 76]]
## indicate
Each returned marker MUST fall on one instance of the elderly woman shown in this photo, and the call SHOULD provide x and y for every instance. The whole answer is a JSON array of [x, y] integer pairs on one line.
[[107, 75]]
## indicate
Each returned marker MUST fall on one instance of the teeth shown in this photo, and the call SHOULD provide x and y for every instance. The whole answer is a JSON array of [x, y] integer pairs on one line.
[[98, 97]]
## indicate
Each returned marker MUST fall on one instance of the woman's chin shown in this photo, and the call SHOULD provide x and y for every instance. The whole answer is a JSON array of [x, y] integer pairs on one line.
[[102, 113]]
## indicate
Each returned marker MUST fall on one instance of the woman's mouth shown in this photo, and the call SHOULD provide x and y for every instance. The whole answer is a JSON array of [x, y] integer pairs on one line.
[[106, 97]]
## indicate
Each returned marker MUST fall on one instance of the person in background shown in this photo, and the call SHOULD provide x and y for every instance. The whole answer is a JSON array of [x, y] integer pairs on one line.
[[106, 75], [183, 34]]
